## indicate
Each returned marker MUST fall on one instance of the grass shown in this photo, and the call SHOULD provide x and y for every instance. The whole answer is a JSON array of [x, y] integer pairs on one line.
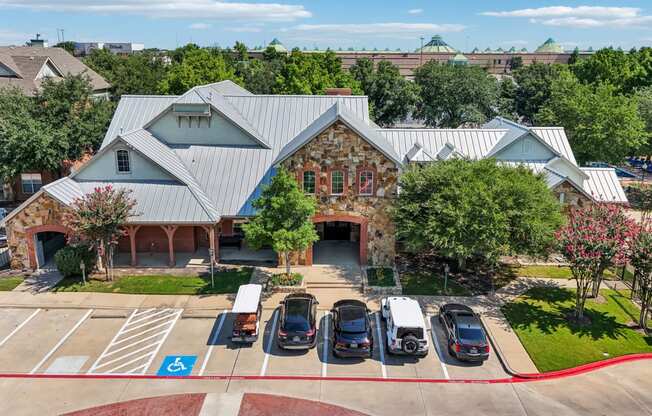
[[539, 319], [225, 282], [430, 284], [553, 272], [283, 279], [9, 283], [380, 276]]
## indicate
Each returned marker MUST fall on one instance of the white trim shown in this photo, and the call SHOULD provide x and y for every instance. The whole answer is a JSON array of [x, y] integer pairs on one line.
[[212, 342], [270, 340], [18, 328]]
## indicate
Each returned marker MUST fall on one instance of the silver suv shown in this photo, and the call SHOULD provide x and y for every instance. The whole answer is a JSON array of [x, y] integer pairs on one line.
[[406, 329]]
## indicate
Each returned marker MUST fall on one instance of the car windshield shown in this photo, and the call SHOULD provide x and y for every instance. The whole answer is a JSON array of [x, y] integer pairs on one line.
[[352, 320], [296, 315], [471, 334]]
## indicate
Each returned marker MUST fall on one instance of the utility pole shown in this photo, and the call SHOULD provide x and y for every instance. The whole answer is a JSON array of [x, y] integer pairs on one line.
[[421, 51]]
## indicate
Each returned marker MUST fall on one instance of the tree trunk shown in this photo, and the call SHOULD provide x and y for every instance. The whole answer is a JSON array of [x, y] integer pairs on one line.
[[597, 280], [579, 305], [287, 262], [645, 305]]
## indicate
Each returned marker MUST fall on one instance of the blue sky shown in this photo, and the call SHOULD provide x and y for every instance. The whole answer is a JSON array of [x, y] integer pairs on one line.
[[464, 24]]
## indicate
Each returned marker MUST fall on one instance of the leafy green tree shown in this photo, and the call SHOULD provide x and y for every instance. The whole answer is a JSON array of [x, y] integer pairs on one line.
[[506, 104], [625, 71], [602, 125], [641, 260], [453, 95], [516, 63], [392, 97], [68, 46], [533, 88], [465, 209], [283, 219], [644, 100], [198, 67]]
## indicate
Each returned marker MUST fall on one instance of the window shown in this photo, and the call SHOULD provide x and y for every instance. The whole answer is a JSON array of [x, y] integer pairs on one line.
[[31, 182], [122, 159], [337, 182], [309, 181], [366, 183], [562, 197]]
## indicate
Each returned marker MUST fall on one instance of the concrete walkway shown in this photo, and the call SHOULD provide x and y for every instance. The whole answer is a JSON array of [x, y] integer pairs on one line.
[[40, 281]]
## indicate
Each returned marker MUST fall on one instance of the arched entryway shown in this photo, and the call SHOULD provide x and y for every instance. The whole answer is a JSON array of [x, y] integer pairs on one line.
[[43, 242], [342, 240]]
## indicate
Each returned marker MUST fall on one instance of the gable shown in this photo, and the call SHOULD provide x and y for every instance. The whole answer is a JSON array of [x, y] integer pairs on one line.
[[6, 72], [48, 70], [526, 147], [104, 167], [567, 169]]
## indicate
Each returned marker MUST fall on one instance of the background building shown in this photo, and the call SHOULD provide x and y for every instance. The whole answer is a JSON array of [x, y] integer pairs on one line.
[[118, 48]]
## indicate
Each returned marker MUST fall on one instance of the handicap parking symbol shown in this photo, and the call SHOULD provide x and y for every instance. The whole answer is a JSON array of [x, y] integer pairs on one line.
[[177, 365]]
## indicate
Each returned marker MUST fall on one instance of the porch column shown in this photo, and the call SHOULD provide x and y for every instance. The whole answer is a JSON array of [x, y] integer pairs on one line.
[[169, 231], [213, 241], [131, 231]]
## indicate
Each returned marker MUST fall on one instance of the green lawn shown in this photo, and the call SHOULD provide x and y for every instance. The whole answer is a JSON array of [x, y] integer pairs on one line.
[[539, 319], [10, 283], [430, 284], [380, 276], [552, 272], [225, 282]]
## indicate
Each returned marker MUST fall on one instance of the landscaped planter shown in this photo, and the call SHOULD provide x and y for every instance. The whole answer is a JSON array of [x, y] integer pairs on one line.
[[298, 288], [370, 289]]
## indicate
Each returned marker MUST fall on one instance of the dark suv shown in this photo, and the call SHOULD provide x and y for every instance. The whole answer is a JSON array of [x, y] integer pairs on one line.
[[297, 329], [467, 340], [352, 336]]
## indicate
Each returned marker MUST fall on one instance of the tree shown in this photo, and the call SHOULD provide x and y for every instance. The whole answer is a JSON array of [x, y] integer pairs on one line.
[[602, 125], [594, 238], [641, 260], [453, 95], [99, 217], [506, 105], [625, 71], [644, 101], [68, 46], [465, 209], [516, 63], [533, 88], [198, 67], [392, 97], [283, 219]]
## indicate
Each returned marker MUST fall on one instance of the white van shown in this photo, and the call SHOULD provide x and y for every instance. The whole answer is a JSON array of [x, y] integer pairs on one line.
[[247, 309], [406, 327]]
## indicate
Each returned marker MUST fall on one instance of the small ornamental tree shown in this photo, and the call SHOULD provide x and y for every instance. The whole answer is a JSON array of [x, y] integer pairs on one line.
[[284, 219], [98, 218], [594, 238], [641, 259]]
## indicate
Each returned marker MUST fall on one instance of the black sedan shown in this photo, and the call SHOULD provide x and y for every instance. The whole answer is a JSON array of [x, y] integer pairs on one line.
[[352, 336], [467, 340], [297, 329]]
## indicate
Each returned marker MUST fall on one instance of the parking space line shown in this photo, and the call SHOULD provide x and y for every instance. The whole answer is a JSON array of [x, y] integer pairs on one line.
[[212, 342], [149, 322], [61, 341], [268, 350], [381, 345], [435, 340], [164, 311], [141, 333], [146, 347], [325, 345], [112, 342], [18, 328], [144, 366], [165, 336]]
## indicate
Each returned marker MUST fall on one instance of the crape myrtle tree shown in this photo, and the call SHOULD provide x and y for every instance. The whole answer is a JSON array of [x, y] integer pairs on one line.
[[466, 209], [641, 260], [283, 219], [594, 238], [98, 218]]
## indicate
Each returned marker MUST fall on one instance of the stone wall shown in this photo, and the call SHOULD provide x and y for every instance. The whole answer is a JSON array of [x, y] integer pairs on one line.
[[572, 196], [42, 212], [338, 147]]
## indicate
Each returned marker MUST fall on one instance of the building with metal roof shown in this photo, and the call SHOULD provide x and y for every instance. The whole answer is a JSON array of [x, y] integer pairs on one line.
[[549, 46], [437, 45], [195, 163]]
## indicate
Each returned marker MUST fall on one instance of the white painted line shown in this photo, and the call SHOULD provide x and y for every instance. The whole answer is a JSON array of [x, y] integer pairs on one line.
[[135, 369], [132, 344], [149, 323], [268, 350], [165, 336], [325, 346], [381, 345], [61, 341], [212, 342], [122, 357], [136, 313], [110, 344], [141, 333], [150, 316], [18, 328], [152, 353], [435, 340]]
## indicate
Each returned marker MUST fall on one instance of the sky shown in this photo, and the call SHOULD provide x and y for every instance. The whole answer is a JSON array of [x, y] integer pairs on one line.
[[464, 24]]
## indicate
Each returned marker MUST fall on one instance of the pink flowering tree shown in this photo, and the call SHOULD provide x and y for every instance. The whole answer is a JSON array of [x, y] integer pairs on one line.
[[641, 259], [99, 217], [594, 238]]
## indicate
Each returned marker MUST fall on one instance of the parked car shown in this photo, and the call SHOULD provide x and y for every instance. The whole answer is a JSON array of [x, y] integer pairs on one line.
[[352, 332], [406, 328], [466, 338], [298, 329], [247, 309]]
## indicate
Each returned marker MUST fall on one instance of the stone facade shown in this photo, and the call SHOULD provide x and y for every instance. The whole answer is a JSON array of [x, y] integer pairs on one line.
[[340, 148], [572, 197], [42, 214]]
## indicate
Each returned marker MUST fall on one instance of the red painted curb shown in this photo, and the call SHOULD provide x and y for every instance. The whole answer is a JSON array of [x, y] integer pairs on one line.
[[518, 378]]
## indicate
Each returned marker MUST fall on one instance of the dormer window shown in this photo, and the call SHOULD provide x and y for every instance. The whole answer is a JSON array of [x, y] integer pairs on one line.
[[122, 161]]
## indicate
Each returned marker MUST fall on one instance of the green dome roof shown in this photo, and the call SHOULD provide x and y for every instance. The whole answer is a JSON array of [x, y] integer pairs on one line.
[[436, 45], [458, 59], [512, 50], [277, 45], [550, 46]]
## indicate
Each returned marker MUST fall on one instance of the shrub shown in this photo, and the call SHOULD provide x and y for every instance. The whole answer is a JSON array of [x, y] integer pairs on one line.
[[284, 279], [69, 258]]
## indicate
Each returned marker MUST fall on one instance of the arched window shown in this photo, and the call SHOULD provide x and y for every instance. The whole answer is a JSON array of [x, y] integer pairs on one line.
[[309, 178], [122, 160], [337, 182], [366, 182]]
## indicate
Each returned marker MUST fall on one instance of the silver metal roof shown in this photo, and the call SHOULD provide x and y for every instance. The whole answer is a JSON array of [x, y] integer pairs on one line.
[[133, 112], [603, 185]]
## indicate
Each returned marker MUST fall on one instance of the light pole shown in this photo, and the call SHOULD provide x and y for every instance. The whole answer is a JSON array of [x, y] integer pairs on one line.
[[210, 254], [82, 266]]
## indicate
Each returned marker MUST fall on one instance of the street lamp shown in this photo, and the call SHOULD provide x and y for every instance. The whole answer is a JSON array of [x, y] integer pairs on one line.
[[82, 266], [210, 255]]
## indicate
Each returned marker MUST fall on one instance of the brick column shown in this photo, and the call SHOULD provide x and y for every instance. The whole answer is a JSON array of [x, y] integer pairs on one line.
[[131, 231], [169, 231]]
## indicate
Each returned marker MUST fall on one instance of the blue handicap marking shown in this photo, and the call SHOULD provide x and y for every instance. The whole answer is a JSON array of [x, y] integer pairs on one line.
[[177, 365]]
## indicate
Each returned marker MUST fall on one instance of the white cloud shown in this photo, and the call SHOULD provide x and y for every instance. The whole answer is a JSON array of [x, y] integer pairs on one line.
[[207, 9], [582, 17], [10, 37], [244, 29], [200, 26], [415, 11], [377, 29], [586, 23]]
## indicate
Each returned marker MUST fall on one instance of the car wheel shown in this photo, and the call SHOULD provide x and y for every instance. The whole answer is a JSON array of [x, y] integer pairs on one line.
[[410, 344]]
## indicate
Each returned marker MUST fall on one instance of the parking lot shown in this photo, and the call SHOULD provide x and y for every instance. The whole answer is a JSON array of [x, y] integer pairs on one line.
[[148, 342]]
